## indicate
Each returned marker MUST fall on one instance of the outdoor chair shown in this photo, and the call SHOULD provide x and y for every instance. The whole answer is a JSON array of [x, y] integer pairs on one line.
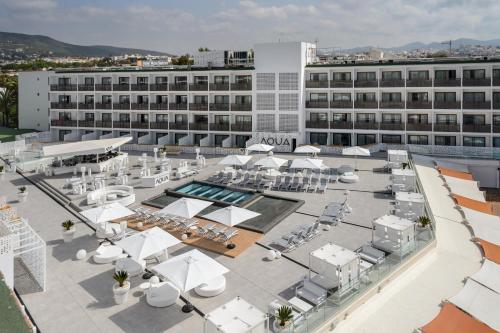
[[311, 292], [313, 186], [202, 231], [295, 186], [286, 184], [277, 183], [323, 185], [161, 294], [106, 254], [286, 245], [225, 236]]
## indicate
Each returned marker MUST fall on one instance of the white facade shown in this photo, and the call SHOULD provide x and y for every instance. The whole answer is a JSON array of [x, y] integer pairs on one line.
[[33, 100]]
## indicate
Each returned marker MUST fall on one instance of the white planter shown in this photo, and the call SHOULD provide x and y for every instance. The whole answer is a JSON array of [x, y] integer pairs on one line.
[[68, 234], [121, 294], [277, 327], [23, 196]]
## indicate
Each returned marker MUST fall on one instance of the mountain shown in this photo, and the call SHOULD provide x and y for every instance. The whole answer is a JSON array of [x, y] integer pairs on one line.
[[39, 45]]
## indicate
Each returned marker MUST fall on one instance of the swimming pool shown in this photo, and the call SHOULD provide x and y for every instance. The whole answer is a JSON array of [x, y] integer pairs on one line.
[[215, 192]]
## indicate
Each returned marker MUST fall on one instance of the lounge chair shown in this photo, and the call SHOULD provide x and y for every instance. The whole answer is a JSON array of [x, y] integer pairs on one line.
[[202, 231], [227, 179], [286, 245], [295, 186], [277, 183], [258, 180], [226, 235], [313, 186], [161, 294], [286, 184], [106, 254], [323, 185]]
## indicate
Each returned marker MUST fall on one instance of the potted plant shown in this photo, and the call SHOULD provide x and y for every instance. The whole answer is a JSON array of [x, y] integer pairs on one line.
[[23, 194], [424, 221], [283, 316], [2, 172], [68, 230], [122, 287], [404, 165]]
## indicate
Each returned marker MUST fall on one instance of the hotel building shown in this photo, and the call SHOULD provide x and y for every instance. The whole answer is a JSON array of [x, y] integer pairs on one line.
[[285, 98]]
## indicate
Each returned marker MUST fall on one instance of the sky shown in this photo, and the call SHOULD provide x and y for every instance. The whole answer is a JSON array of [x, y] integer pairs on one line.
[[180, 26]]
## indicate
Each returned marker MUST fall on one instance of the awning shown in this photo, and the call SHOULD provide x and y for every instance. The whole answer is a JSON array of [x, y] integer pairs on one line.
[[452, 165], [485, 226], [465, 188], [491, 251], [453, 320], [455, 173], [480, 302], [484, 207], [488, 276], [85, 147]]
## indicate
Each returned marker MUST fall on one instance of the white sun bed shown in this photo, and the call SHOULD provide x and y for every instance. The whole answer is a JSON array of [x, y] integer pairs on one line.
[[106, 254]]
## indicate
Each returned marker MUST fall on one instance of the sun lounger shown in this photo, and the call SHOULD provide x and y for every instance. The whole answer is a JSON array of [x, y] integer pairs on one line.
[[226, 235], [313, 186], [371, 254], [286, 184], [277, 183], [295, 186], [323, 185], [286, 245]]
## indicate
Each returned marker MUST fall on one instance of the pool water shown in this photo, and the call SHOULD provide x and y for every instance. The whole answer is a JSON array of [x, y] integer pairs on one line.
[[214, 192]]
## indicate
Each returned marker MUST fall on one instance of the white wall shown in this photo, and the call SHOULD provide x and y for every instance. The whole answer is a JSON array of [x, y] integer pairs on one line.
[[33, 100]]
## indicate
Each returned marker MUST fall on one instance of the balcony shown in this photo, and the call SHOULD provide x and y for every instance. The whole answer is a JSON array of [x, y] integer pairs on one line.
[[86, 123], [64, 123], [121, 106], [486, 82], [476, 128], [363, 125], [392, 83], [219, 127], [121, 124], [317, 104], [341, 104], [158, 87], [177, 106], [219, 86], [103, 124], [365, 83], [365, 104], [496, 105], [219, 106], [419, 83], [316, 124], [241, 107], [392, 105], [62, 105], [241, 127], [198, 87], [178, 86], [447, 105], [103, 106], [86, 87], [446, 128], [198, 106], [178, 126], [447, 83], [158, 106], [341, 124], [63, 87], [341, 84], [103, 87], [121, 87], [485, 105], [392, 126], [419, 105], [140, 106], [86, 106], [159, 125], [140, 125], [496, 81], [425, 127], [198, 126], [317, 84], [140, 87], [241, 86]]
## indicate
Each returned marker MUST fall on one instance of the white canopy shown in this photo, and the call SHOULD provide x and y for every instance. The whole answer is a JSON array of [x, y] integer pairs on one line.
[[465, 188], [356, 151], [489, 275], [186, 207], [306, 163], [85, 147], [307, 150], [260, 147], [394, 222], [107, 213], [485, 226], [334, 255], [272, 173], [231, 215], [237, 316], [271, 162], [188, 270], [480, 302], [238, 160], [147, 243]]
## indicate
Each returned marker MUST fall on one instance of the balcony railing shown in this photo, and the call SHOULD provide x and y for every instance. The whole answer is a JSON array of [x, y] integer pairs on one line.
[[365, 83], [241, 127], [178, 126], [426, 127], [241, 86], [86, 123], [392, 126], [198, 126], [419, 83], [198, 106], [65, 123], [496, 105], [241, 107], [86, 106], [103, 124], [316, 124], [486, 82], [365, 104], [341, 83], [178, 86], [63, 105], [103, 106], [485, 105], [317, 104], [86, 87], [341, 104], [341, 124], [158, 87], [392, 105], [198, 86], [140, 106], [63, 87], [317, 84], [446, 128], [121, 124], [158, 106], [418, 104], [447, 105], [121, 106], [219, 127], [366, 125], [140, 87], [219, 106], [392, 83], [121, 87], [140, 124], [219, 86], [496, 81], [103, 87], [447, 83], [177, 106], [476, 128], [159, 125]]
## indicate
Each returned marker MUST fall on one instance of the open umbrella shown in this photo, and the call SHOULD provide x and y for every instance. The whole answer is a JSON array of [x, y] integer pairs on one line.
[[260, 147], [107, 213], [307, 163], [231, 215], [271, 162], [235, 160], [186, 207], [307, 150], [355, 151], [147, 243]]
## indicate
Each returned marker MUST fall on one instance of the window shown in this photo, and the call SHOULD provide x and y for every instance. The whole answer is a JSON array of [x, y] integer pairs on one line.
[[198, 138], [106, 99], [391, 97], [318, 117], [340, 117], [221, 119], [89, 99], [318, 97], [318, 138], [243, 119], [106, 80], [418, 139], [106, 117], [391, 118], [200, 80], [418, 119], [162, 99], [64, 81], [341, 139], [337, 97], [64, 116], [241, 140], [161, 79], [243, 79], [181, 99], [143, 118], [141, 134], [162, 118], [441, 140], [221, 99], [496, 119], [391, 139], [344, 76], [64, 99], [418, 75], [221, 79], [200, 99], [391, 75], [365, 117], [366, 139], [474, 74], [473, 119], [180, 80], [180, 118], [143, 99], [218, 139], [178, 137], [124, 99], [200, 118], [123, 80], [474, 97], [89, 81], [124, 117], [496, 96], [366, 97], [474, 141], [418, 97], [243, 99], [366, 76], [124, 133], [318, 76], [496, 73], [142, 80], [445, 74], [448, 119], [446, 96], [496, 141], [89, 117]]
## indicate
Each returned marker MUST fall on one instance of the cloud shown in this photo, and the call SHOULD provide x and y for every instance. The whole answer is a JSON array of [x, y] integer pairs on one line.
[[29, 4]]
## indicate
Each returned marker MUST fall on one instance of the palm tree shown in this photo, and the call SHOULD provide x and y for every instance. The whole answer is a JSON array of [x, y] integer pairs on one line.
[[7, 101]]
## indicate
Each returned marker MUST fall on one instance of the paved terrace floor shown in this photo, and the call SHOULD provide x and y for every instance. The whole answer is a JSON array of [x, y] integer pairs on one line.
[[78, 297], [413, 299]]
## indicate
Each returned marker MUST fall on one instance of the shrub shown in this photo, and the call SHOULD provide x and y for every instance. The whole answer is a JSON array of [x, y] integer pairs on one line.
[[67, 224], [120, 277], [284, 314]]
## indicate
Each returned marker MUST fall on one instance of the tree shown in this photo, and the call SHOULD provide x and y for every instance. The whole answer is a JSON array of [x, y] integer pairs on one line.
[[7, 101], [183, 60]]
